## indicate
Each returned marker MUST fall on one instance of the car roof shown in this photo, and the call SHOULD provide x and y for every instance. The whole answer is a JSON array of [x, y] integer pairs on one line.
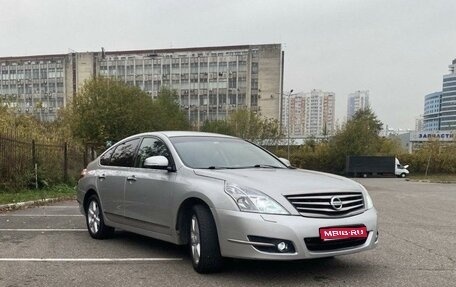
[[171, 134]]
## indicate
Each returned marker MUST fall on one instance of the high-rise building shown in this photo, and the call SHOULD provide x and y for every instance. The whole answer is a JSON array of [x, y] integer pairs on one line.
[[448, 101], [309, 114], [440, 107], [431, 117], [210, 81], [358, 100]]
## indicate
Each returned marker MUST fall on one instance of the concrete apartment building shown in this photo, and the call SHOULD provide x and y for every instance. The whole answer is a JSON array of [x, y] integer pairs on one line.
[[210, 81], [34, 85], [309, 114], [358, 100]]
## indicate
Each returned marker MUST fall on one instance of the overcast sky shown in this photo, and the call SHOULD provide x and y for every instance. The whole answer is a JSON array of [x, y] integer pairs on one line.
[[398, 50]]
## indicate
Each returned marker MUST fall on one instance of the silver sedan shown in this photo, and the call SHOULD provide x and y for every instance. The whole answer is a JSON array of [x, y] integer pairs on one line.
[[223, 197]]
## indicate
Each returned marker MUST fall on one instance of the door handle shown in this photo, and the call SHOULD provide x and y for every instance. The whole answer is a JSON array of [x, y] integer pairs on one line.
[[102, 176], [131, 178]]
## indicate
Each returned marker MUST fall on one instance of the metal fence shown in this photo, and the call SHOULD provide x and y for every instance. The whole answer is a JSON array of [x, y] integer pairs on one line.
[[32, 164]]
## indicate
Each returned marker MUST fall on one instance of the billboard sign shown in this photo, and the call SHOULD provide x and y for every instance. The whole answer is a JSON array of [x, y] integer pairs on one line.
[[424, 136]]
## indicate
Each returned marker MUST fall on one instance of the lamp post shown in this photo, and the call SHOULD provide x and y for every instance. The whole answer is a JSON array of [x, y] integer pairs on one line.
[[288, 125]]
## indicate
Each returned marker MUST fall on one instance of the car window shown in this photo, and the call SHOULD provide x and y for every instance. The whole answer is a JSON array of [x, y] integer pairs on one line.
[[151, 147], [106, 157], [124, 153]]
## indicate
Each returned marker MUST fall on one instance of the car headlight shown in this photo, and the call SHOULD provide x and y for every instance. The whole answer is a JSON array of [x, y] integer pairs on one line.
[[252, 200], [369, 202]]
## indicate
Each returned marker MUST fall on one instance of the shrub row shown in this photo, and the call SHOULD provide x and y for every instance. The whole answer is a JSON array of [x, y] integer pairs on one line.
[[433, 157]]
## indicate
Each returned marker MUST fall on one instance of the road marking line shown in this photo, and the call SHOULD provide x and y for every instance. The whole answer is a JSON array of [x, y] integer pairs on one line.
[[59, 206], [87, 259], [43, 229], [41, 215]]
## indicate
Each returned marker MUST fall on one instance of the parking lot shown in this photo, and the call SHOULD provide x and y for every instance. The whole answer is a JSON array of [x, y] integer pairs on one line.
[[49, 246]]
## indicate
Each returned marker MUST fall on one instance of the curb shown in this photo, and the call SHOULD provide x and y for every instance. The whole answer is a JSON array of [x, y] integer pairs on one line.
[[32, 203], [432, 181], [418, 180]]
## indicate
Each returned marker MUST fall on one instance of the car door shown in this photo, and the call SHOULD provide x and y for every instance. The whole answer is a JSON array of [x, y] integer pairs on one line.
[[148, 192], [116, 165]]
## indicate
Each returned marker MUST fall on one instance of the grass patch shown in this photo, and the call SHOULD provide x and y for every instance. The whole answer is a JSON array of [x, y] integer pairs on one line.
[[435, 177], [58, 191]]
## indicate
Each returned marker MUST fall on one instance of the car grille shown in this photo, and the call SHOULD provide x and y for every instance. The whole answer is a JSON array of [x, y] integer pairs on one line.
[[319, 204], [316, 244]]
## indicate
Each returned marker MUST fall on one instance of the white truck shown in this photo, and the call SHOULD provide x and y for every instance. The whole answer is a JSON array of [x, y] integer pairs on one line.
[[374, 166], [400, 170]]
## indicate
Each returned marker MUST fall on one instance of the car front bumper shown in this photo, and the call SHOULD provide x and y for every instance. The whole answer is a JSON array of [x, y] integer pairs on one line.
[[234, 227]]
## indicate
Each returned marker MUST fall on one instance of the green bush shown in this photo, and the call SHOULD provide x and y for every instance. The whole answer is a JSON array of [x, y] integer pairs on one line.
[[435, 157]]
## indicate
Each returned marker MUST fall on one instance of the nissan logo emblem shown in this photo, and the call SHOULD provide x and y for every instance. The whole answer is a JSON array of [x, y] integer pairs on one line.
[[336, 203]]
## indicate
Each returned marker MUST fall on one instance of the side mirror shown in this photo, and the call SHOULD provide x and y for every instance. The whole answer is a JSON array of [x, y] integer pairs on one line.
[[406, 166], [156, 162], [285, 161]]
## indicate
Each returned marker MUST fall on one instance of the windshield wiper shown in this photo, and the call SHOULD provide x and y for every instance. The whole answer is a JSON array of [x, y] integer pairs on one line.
[[266, 166], [222, 167], [243, 167]]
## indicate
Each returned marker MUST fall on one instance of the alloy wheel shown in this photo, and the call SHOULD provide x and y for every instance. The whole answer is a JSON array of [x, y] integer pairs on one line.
[[93, 217], [195, 240]]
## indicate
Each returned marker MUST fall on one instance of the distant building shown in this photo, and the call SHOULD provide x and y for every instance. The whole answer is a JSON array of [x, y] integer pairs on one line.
[[448, 102], [414, 140], [358, 100], [431, 117], [419, 123], [309, 114], [440, 107], [444, 137], [210, 82], [36, 84]]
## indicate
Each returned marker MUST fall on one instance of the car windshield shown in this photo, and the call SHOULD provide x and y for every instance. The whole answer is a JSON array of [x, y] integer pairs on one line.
[[222, 153]]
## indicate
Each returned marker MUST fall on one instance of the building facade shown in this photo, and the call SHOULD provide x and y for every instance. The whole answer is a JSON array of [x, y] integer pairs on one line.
[[419, 123], [210, 82], [358, 100], [431, 116], [309, 114], [34, 85], [448, 101], [440, 107]]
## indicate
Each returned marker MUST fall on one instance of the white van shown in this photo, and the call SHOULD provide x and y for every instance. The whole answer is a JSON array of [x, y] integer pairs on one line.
[[401, 171]]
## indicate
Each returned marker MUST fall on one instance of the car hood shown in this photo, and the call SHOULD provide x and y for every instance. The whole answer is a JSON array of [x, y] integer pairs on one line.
[[283, 181]]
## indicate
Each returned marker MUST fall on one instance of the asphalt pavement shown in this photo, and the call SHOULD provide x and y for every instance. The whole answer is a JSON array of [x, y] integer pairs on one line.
[[49, 246]]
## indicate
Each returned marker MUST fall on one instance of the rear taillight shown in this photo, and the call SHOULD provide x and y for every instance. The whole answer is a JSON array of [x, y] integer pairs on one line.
[[83, 173]]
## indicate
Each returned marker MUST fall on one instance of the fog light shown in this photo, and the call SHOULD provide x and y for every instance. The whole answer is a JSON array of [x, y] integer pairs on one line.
[[282, 246], [274, 245]]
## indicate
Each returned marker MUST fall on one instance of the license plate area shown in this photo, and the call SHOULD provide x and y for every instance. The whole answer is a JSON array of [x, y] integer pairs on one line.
[[346, 232]]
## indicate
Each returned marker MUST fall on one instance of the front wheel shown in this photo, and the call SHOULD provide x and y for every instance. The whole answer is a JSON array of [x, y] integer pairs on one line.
[[403, 174], [94, 219], [203, 241]]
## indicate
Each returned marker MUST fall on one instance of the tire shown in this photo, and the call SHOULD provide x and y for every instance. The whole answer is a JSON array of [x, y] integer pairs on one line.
[[403, 175], [365, 175], [203, 241], [95, 221]]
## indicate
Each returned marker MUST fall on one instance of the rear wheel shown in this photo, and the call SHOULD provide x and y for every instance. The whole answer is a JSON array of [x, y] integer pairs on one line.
[[94, 219], [203, 241]]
